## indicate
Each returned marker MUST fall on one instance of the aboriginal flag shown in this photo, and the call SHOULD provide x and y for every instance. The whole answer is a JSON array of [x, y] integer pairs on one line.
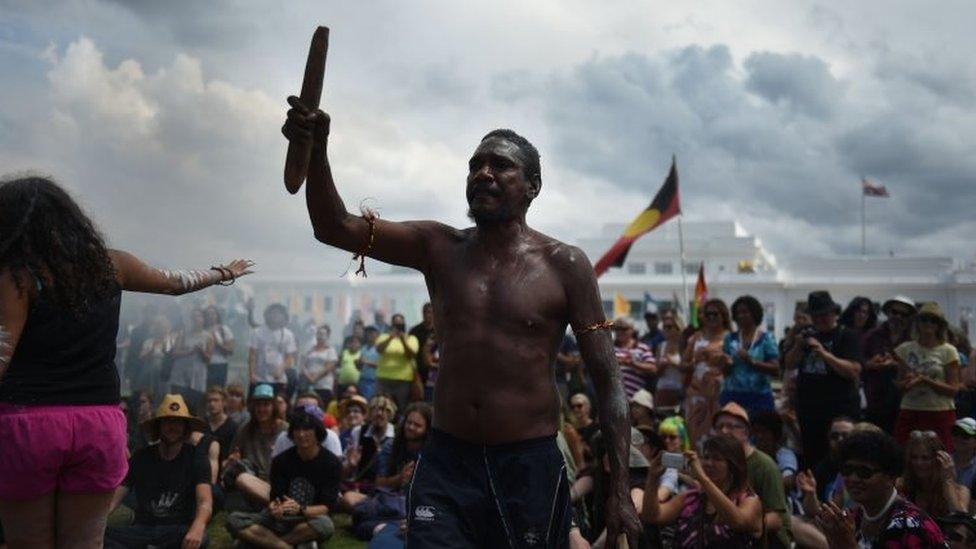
[[664, 206]]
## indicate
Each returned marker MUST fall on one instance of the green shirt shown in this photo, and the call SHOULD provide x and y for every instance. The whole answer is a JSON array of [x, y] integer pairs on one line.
[[766, 480], [348, 373]]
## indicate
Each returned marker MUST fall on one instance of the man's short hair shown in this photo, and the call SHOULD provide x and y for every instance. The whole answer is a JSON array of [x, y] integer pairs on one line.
[[218, 390], [235, 390], [310, 394], [530, 155]]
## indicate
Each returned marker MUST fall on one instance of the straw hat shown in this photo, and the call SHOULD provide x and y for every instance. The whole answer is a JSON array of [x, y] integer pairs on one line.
[[345, 403], [933, 311], [173, 407]]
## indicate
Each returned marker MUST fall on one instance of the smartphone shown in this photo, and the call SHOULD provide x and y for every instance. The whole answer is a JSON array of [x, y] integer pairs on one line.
[[673, 460]]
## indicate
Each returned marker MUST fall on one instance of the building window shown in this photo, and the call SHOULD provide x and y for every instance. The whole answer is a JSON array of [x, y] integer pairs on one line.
[[663, 268], [636, 268], [308, 304], [328, 304], [691, 268]]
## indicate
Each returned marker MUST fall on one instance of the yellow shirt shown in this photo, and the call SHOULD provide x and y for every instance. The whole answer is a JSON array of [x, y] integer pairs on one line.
[[394, 363], [929, 362]]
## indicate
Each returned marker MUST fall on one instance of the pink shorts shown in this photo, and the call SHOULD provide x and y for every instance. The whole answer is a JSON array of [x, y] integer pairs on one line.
[[76, 449]]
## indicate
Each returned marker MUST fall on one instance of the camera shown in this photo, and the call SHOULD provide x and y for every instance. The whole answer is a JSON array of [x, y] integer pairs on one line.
[[673, 460]]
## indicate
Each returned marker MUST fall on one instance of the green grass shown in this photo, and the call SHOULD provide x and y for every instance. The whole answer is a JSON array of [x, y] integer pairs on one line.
[[220, 539]]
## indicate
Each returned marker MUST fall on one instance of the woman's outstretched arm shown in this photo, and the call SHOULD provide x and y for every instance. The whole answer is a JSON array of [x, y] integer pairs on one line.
[[136, 276]]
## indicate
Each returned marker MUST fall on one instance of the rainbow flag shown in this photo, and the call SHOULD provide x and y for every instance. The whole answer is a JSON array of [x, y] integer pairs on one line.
[[666, 204], [701, 295]]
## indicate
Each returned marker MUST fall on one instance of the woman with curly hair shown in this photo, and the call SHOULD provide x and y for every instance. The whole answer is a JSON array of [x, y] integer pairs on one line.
[[861, 316], [64, 437]]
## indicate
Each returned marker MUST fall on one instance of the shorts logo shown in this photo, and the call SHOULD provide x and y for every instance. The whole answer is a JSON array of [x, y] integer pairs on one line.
[[424, 513]]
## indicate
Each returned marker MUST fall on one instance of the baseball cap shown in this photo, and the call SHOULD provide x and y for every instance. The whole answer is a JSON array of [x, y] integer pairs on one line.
[[263, 392], [966, 425]]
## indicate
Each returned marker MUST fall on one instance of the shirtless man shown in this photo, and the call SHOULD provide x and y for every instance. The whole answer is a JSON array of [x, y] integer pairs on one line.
[[491, 475]]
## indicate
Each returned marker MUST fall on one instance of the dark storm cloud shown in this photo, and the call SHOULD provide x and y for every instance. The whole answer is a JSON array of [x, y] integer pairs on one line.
[[800, 81], [785, 142]]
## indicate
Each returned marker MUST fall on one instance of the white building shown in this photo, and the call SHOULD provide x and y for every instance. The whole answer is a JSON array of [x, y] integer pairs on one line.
[[735, 264]]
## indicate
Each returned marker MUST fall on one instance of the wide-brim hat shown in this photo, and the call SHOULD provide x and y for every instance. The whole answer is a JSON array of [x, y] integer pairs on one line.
[[932, 310], [643, 398], [899, 300], [358, 400], [173, 407], [820, 302]]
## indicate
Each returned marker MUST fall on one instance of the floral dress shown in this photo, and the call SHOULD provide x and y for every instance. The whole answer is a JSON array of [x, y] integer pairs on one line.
[[906, 527], [698, 530]]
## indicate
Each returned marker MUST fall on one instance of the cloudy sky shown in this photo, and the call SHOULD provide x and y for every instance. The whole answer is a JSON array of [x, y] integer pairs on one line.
[[164, 117]]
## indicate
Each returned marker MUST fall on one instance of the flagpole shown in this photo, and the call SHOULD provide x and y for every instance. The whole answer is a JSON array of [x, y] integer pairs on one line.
[[684, 276], [863, 230]]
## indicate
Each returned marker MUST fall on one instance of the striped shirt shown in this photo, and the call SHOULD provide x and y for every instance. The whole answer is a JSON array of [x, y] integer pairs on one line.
[[633, 379]]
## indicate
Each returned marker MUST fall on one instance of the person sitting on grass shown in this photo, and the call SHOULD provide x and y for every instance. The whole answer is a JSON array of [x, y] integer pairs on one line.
[[304, 487], [171, 483], [247, 467]]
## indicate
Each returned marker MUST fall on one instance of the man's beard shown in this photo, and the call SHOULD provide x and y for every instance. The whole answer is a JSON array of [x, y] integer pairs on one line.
[[501, 214]]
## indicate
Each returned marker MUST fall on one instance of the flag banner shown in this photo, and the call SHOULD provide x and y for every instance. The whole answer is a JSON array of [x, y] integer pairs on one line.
[[701, 296], [873, 189], [621, 307], [651, 305], [666, 204]]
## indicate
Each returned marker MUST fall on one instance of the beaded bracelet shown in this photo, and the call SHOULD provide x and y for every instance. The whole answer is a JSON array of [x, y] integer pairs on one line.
[[605, 325]]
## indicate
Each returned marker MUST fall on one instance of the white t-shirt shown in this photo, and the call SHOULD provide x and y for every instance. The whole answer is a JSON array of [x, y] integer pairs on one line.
[[331, 443], [315, 364], [221, 335], [271, 348]]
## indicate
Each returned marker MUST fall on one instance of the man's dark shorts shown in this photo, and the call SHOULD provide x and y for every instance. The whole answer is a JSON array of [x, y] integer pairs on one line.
[[469, 495]]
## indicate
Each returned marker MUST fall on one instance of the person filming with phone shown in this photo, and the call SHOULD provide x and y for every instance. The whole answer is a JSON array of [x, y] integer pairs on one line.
[[723, 512]]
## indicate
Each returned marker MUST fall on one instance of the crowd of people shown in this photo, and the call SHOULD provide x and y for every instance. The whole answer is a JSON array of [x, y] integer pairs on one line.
[[853, 430], [738, 440]]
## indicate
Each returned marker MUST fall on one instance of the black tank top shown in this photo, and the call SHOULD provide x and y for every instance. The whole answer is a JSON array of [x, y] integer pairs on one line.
[[63, 358]]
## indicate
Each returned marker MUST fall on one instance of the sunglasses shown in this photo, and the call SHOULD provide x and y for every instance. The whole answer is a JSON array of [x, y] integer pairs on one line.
[[897, 313], [576, 405], [862, 471]]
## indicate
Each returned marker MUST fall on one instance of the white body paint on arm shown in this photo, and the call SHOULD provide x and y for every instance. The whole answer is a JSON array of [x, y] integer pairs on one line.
[[191, 281]]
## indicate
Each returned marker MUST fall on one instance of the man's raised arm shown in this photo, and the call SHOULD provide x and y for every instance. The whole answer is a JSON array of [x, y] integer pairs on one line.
[[398, 243], [587, 319]]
